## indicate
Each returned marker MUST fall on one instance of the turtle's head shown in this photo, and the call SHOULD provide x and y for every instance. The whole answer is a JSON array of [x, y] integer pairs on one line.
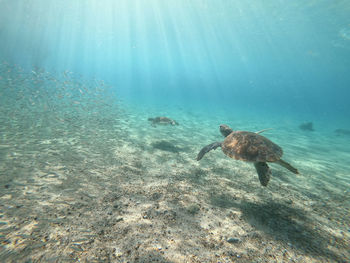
[[225, 130]]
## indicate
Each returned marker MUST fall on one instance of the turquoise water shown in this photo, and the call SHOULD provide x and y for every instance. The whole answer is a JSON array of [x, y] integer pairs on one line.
[[290, 57], [84, 176]]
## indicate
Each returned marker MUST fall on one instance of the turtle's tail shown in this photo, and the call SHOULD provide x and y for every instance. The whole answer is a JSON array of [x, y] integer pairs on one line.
[[288, 166], [151, 119]]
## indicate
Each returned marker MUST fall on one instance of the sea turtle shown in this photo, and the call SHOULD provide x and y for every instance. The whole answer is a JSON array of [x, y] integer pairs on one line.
[[162, 120], [250, 147]]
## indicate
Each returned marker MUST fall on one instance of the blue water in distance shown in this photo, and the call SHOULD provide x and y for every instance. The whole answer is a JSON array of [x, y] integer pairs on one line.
[[274, 57]]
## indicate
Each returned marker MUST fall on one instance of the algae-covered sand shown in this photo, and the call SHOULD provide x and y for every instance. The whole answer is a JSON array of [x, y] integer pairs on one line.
[[88, 179]]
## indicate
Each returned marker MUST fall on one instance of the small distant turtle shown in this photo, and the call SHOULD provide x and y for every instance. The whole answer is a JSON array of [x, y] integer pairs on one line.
[[250, 147], [307, 126], [162, 121], [342, 132]]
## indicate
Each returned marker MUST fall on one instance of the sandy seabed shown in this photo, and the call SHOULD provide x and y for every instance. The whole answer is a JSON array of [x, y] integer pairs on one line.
[[84, 178], [116, 189]]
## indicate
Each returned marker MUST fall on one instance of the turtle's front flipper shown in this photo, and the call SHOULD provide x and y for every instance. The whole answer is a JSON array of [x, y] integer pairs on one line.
[[288, 166], [208, 148], [264, 172]]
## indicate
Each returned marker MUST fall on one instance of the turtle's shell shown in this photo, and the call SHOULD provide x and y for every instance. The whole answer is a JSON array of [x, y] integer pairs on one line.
[[251, 147], [164, 120]]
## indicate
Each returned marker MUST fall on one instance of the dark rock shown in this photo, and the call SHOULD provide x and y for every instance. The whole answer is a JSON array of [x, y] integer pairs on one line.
[[156, 196], [193, 209], [233, 240]]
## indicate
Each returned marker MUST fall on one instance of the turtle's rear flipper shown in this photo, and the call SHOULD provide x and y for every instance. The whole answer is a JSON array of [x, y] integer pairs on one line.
[[288, 166], [208, 148], [264, 172]]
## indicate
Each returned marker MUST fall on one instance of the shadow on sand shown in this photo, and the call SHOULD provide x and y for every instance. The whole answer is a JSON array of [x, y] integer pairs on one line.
[[167, 146], [289, 225]]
